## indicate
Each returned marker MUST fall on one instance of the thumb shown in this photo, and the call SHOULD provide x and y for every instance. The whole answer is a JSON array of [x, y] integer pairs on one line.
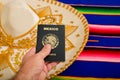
[[45, 51]]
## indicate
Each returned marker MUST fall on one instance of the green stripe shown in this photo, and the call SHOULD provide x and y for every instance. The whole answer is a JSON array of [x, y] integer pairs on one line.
[[99, 10]]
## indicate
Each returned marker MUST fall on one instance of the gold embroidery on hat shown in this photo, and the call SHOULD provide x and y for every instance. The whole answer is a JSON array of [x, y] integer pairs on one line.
[[1, 75], [77, 35], [15, 60], [12, 58], [11, 44], [3, 61], [51, 19], [56, 11], [25, 43], [68, 45], [4, 58], [69, 29], [71, 22], [42, 12]]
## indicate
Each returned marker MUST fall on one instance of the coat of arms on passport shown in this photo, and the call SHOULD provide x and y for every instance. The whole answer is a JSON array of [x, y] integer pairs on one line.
[[55, 36]]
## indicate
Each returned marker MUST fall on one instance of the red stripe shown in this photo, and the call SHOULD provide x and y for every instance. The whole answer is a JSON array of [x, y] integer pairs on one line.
[[100, 55], [104, 29]]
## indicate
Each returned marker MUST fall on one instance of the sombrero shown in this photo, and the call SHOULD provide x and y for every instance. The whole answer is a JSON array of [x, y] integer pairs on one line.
[[18, 30]]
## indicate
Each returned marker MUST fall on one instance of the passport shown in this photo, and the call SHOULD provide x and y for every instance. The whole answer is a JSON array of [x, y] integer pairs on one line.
[[55, 36]]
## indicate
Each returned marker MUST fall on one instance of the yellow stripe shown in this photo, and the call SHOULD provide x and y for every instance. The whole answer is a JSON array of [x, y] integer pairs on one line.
[[81, 78]]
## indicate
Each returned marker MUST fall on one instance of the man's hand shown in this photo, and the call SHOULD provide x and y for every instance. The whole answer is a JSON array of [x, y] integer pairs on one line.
[[33, 66]]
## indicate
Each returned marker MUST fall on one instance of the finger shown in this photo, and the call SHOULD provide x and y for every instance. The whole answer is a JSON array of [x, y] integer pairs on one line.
[[42, 75], [51, 65], [45, 69], [29, 53], [46, 63], [45, 51]]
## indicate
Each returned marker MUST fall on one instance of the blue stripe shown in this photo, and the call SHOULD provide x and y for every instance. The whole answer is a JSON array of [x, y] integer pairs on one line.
[[104, 41], [93, 69], [103, 19], [93, 2]]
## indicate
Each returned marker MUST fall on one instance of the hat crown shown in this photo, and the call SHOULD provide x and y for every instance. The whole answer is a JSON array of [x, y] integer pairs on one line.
[[17, 18]]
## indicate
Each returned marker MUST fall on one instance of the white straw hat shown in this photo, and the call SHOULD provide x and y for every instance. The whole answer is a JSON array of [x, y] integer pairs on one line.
[[18, 29]]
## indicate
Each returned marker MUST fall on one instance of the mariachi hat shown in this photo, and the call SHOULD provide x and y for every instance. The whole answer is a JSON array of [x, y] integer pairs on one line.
[[18, 29]]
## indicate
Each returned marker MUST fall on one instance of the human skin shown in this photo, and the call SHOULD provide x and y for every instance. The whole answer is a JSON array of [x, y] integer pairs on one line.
[[33, 66]]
